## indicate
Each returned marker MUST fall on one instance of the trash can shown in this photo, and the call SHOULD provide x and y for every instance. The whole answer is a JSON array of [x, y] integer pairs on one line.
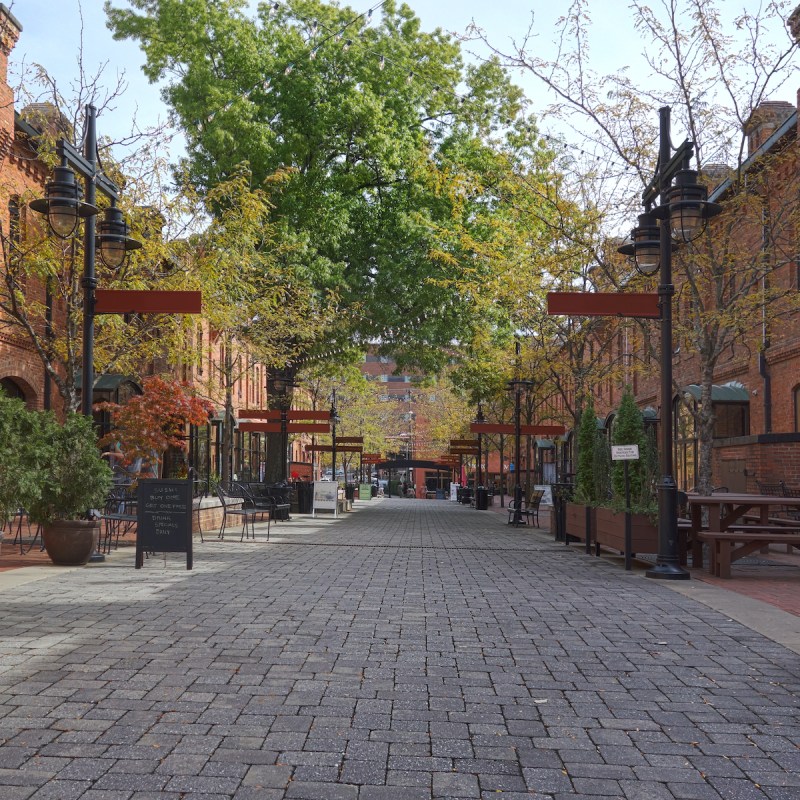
[[562, 493], [466, 496], [350, 492], [481, 499], [305, 496]]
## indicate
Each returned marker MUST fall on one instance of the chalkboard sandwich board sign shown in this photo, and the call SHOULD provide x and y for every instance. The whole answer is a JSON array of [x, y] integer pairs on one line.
[[164, 519]]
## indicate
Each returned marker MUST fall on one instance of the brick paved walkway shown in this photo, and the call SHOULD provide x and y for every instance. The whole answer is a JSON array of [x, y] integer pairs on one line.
[[412, 649]]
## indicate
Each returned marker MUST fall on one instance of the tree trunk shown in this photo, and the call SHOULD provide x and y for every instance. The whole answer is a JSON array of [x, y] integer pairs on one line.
[[276, 442], [705, 435], [229, 420]]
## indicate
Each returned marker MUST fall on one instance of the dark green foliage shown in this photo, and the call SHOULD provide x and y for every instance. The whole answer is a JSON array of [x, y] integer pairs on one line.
[[20, 459], [75, 478], [629, 428], [601, 467], [585, 489]]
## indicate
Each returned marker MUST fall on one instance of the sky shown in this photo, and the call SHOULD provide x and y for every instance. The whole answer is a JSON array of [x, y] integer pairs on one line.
[[52, 40]]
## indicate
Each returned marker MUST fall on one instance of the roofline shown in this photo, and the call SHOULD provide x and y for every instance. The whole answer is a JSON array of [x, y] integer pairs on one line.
[[786, 127], [24, 126], [4, 9]]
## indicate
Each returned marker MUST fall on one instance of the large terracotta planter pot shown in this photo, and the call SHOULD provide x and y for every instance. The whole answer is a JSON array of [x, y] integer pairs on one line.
[[610, 532], [577, 521], [70, 542]]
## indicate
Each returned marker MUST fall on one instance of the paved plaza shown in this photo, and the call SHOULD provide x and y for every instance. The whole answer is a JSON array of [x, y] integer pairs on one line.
[[408, 650]]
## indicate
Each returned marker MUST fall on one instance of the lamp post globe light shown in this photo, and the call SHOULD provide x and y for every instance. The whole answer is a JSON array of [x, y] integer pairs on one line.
[[63, 207], [680, 215]]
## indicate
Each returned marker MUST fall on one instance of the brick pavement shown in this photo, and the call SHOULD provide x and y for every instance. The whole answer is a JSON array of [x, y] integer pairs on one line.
[[412, 649]]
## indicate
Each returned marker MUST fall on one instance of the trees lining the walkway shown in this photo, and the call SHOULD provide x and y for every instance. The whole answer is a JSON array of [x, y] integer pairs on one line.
[[714, 67]]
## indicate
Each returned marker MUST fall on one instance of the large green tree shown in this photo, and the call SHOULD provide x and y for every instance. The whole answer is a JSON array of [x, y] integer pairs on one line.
[[392, 152]]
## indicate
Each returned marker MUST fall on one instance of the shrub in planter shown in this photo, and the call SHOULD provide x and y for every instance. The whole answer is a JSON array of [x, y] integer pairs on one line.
[[629, 428], [580, 512], [21, 457], [585, 489], [74, 481]]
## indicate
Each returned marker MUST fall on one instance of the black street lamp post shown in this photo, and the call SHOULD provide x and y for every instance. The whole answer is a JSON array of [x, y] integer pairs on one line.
[[478, 475], [334, 420], [63, 207], [517, 386], [282, 386], [680, 215]]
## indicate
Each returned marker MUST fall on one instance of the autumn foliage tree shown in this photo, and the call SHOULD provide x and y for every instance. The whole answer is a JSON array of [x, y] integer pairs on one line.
[[716, 68], [156, 420]]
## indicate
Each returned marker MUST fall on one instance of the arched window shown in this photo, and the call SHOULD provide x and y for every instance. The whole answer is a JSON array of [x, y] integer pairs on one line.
[[685, 439], [11, 388]]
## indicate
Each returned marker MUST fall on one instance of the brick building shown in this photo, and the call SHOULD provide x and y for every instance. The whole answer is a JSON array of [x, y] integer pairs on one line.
[[756, 381], [23, 176], [21, 172]]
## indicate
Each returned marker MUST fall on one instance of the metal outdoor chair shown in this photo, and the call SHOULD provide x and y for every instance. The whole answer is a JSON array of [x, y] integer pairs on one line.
[[532, 507], [258, 503], [529, 512], [234, 503], [19, 520], [779, 489], [119, 515]]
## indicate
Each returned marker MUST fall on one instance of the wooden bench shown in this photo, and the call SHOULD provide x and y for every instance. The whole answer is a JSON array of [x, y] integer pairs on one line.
[[749, 538]]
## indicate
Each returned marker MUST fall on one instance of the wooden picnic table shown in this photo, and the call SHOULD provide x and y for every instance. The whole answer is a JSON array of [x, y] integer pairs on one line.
[[730, 534]]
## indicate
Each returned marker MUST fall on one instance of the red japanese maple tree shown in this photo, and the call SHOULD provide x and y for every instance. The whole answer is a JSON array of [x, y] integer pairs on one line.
[[150, 423]]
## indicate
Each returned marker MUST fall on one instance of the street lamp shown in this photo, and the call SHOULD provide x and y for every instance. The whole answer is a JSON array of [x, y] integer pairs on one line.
[[63, 207], [680, 215], [480, 419], [517, 385], [334, 420]]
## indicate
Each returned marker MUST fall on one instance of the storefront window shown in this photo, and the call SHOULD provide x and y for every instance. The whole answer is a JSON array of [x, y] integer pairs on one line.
[[685, 437], [797, 409]]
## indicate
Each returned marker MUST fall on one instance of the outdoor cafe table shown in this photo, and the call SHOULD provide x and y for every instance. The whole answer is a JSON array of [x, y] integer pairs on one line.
[[727, 509]]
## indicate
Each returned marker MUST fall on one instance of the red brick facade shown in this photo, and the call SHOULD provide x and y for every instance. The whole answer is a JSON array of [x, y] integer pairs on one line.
[[21, 369], [763, 366]]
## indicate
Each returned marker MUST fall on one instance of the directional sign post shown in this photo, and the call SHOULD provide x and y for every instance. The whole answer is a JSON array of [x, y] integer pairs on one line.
[[604, 304], [626, 453], [139, 301]]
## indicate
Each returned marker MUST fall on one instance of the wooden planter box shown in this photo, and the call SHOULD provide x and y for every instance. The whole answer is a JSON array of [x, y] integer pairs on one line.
[[576, 522], [610, 532]]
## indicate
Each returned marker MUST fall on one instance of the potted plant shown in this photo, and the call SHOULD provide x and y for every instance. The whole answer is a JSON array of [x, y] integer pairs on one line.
[[74, 480], [610, 521], [580, 511], [20, 461]]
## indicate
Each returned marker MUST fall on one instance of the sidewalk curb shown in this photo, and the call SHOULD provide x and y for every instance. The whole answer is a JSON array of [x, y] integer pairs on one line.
[[777, 625]]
